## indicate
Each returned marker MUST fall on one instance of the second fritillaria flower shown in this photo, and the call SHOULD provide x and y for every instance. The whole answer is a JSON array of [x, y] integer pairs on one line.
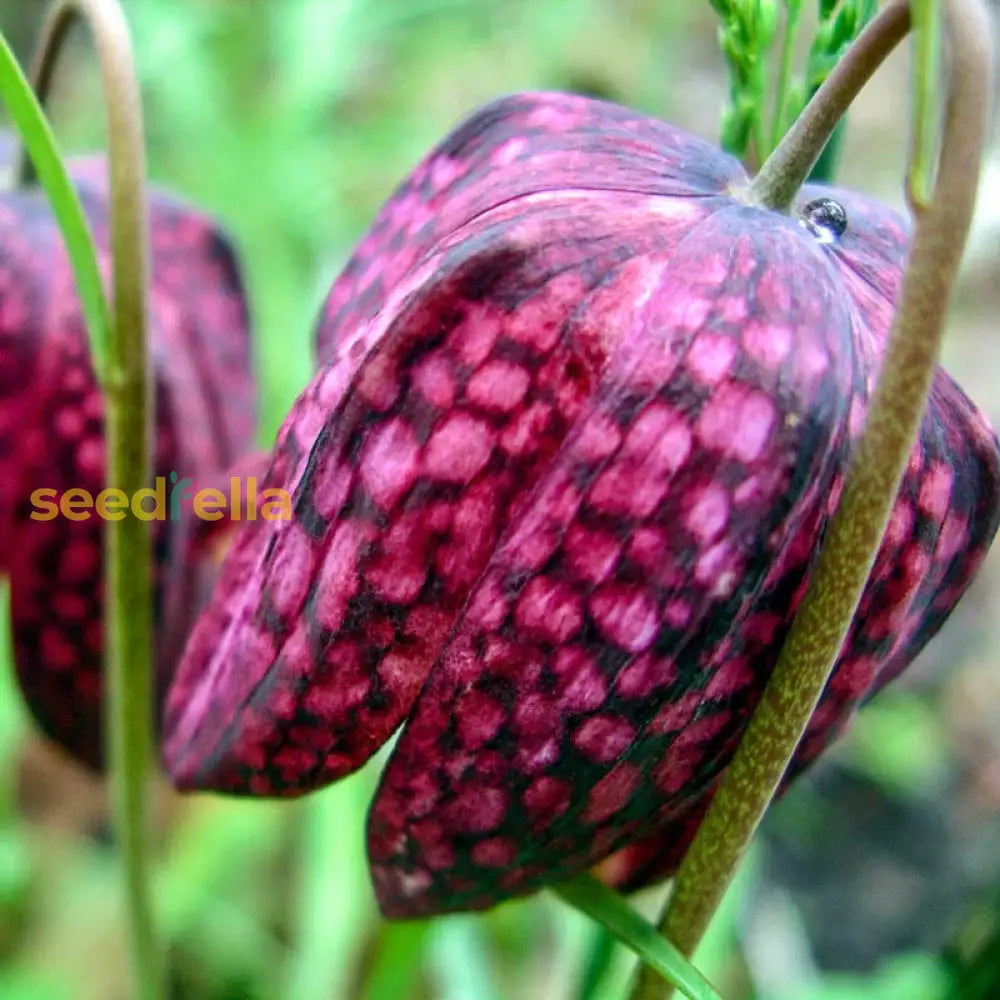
[[52, 438], [581, 418]]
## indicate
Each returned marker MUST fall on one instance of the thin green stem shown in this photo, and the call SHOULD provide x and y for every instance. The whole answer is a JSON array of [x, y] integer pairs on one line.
[[856, 530], [127, 384], [40, 145], [785, 170], [793, 9], [758, 146], [923, 125]]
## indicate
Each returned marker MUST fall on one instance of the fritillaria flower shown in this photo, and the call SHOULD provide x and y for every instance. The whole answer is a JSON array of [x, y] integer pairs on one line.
[[581, 417], [52, 438]]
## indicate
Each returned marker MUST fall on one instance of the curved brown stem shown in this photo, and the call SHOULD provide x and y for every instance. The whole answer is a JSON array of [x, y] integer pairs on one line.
[[128, 403], [877, 466]]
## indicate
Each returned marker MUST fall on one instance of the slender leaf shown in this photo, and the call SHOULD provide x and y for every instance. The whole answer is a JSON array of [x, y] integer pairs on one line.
[[33, 127], [926, 16], [611, 910]]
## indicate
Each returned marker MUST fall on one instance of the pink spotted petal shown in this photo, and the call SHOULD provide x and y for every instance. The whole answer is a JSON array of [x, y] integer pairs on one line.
[[404, 471], [701, 492]]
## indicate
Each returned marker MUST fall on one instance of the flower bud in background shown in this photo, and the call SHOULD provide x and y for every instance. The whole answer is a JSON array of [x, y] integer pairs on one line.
[[581, 420], [52, 437]]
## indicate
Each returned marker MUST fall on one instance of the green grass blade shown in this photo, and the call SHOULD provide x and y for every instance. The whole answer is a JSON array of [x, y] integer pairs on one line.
[[599, 961], [611, 910], [924, 122], [33, 127]]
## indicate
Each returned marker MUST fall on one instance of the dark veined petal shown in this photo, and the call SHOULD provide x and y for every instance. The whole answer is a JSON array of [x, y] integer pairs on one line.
[[515, 148], [461, 747], [404, 471], [942, 524], [941, 527], [872, 250], [206, 405], [590, 673]]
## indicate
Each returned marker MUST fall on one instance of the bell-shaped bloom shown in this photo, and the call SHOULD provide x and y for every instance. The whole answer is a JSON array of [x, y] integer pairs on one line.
[[581, 419], [52, 439]]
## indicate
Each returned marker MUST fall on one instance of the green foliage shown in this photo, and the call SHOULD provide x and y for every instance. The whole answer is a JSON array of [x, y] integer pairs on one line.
[[973, 966], [911, 976], [838, 27], [11, 713], [747, 36], [398, 961], [898, 744], [599, 962]]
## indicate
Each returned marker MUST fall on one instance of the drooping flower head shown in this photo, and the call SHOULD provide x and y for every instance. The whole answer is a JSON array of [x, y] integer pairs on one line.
[[52, 438], [581, 418]]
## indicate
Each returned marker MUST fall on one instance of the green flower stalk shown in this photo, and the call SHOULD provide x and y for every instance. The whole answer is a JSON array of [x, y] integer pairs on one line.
[[818, 631], [120, 351]]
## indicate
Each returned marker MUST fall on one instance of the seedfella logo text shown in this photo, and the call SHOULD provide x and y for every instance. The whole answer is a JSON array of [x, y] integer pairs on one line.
[[158, 503]]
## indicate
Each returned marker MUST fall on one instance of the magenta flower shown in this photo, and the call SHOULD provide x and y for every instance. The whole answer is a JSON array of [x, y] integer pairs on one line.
[[581, 418], [51, 437]]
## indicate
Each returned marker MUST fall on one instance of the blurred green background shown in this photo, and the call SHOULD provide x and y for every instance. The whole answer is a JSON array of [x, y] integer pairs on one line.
[[292, 120]]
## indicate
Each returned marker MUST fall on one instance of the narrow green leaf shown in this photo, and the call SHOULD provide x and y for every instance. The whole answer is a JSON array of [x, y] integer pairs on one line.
[[845, 27], [926, 16], [766, 23], [33, 127], [611, 910], [782, 117], [971, 961], [599, 960]]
